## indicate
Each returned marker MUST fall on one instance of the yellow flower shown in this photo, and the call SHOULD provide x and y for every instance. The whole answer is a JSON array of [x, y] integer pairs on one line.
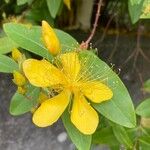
[[50, 39], [75, 86]]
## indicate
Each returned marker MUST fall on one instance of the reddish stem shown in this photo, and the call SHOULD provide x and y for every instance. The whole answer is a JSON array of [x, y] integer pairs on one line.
[[84, 45]]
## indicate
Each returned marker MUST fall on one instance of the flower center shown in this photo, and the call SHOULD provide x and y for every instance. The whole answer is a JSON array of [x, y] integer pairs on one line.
[[72, 85]]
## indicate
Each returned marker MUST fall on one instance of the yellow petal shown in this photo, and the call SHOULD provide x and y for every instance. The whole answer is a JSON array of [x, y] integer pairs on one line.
[[19, 79], [42, 73], [71, 65], [96, 91], [68, 3], [16, 54], [50, 39], [50, 110], [83, 116]]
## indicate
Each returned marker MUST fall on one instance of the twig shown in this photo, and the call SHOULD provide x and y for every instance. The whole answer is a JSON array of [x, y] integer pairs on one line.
[[144, 56], [138, 51], [138, 46], [84, 45], [113, 14], [141, 80]]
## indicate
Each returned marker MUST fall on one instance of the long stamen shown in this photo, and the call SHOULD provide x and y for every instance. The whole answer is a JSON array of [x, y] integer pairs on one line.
[[85, 70]]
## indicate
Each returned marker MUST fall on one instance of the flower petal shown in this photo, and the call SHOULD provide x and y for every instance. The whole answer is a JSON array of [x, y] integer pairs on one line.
[[71, 65], [83, 116], [50, 39], [42, 73], [51, 109], [96, 91]]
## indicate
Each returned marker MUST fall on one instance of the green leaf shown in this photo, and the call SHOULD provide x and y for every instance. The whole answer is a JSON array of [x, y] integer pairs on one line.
[[147, 86], [145, 10], [7, 65], [68, 43], [30, 38], [145, 142], [120, 108], [132, 133], [135, 10], [53, 6], [6, 45], [143, 146], [133, 2], [22, 2], [39, 12], [81, 141], [122, 135], [144, 108], [105, 136], [21, 104]]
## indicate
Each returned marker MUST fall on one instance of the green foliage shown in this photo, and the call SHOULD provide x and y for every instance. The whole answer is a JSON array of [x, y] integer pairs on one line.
[[144, 142], [146, 10], [120, 108], [82, 142], [139, 9], [105, 136], [54, 6], [30, 39], [39, 12], [145, 139], [122, 136], [135, 9], [147, 86], [22, 2], [6, 45], [144, 108], [7, 65], [21, 104], [134, 2]]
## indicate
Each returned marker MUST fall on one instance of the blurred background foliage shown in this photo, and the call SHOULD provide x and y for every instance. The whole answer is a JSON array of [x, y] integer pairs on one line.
[[62, 13]]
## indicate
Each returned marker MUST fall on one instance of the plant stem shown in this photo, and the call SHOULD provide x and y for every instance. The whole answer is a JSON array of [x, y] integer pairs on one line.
[[84, 45]]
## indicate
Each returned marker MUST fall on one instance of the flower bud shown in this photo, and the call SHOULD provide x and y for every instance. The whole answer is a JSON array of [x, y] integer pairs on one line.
[[19, 79], [21, 90], [16, 54], [50, 39]]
